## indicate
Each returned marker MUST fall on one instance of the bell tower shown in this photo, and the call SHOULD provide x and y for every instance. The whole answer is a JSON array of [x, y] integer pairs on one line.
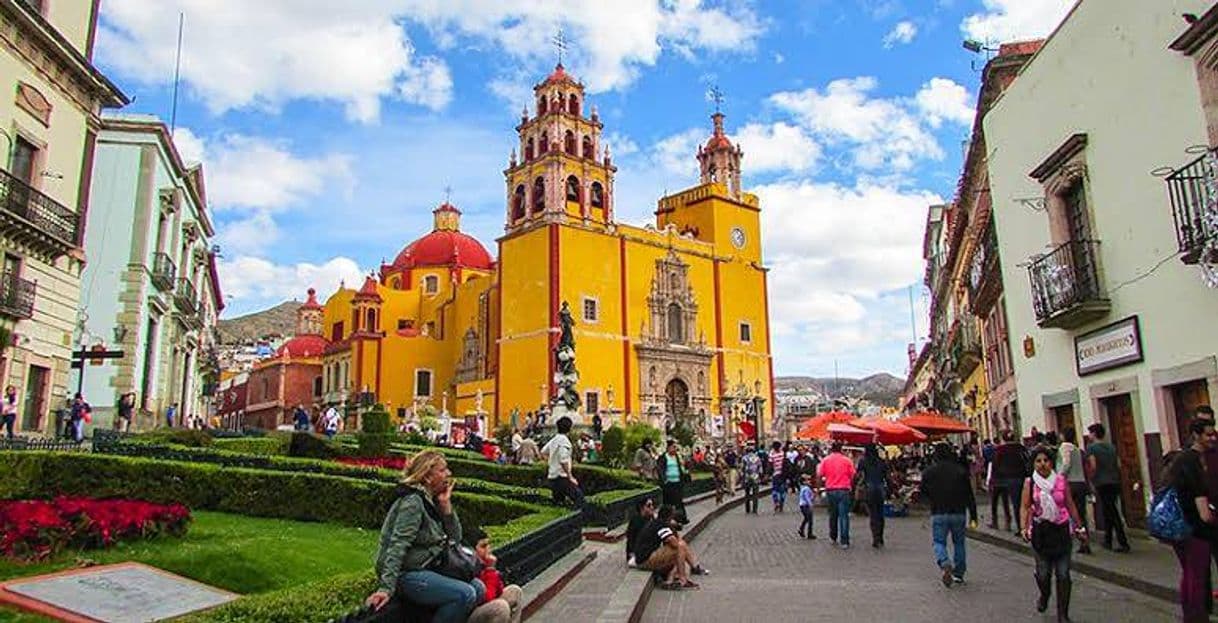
[[719, 160], [560, 171]]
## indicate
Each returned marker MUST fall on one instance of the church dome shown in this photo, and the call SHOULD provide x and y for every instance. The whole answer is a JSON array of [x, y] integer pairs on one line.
[[303, 346], [446, 245]]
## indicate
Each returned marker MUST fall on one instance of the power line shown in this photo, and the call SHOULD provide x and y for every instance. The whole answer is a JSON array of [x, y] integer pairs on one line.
[[1146, 274]]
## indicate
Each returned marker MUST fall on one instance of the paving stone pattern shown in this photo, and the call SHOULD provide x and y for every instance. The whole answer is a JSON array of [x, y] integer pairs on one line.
[[762, 570]]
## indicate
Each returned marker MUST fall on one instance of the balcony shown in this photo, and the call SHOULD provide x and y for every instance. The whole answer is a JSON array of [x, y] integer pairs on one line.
[[192, 320], [985, 275], [186, 298], [1066, 289], [30, 217], [1192, 189], [966, 347], [16, 296], [163, 271]]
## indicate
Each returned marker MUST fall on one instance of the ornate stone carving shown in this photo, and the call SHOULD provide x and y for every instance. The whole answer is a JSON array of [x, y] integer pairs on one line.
[[470, 366], [31, 100]]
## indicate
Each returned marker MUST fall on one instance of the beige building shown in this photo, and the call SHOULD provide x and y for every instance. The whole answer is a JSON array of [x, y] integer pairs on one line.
[[49, 121], [1107, 322]]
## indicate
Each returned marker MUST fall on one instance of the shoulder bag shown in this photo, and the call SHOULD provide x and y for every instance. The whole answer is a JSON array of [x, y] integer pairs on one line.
[[454, 559]]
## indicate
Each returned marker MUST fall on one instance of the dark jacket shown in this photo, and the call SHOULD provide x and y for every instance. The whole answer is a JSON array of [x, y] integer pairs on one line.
[[949, 489], [633, 529], [662, 467], [1010, 462], [411, 537]]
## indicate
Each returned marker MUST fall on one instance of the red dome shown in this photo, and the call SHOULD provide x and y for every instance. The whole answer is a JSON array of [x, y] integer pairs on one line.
[[303, 346], [718, 141], [444, 248], [558, 75]]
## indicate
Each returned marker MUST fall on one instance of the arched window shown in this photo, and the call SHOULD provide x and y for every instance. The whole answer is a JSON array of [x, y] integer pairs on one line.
[[431, 284], [588, 153], [573, 105], [528, 149], [543, 103], [317, 386], [545, 143], [597, 195], [568, 143], [676, 324], [539, 195], [572, 188], [518, 203], [397, 283], [371, 320]]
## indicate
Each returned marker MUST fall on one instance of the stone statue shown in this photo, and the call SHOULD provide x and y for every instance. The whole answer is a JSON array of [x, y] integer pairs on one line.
[[565, 375], [478, 402]]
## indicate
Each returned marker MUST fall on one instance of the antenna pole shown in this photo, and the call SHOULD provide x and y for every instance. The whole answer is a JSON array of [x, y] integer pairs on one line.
[[177, 73]]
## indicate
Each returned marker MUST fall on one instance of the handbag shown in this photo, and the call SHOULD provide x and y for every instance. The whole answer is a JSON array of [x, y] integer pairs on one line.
[[1051, 540], [1166, 520], [454, 559]]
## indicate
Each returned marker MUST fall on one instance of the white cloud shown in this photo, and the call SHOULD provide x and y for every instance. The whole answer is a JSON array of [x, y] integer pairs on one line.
[[254, 282], [190, 146], [903, 33], [779, 58], [253, 172], [941, 100], [1013, 20], [253, 234], [677, 153], [620, 145], [239, 54], [883, 133], [776, 147]]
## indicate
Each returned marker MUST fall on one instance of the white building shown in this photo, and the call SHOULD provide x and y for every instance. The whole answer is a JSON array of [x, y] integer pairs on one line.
[[150, 287], [1107, 323], [48, 122]]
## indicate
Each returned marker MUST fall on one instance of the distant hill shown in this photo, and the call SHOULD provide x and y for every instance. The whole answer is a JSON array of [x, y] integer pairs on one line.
[[883, 388], [278, 320]]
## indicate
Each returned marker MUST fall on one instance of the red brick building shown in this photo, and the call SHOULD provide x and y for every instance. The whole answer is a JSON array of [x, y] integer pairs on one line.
[[292, 377]]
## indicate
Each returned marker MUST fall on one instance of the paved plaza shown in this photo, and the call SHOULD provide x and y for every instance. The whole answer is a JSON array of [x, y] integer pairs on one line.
[[761, 570]]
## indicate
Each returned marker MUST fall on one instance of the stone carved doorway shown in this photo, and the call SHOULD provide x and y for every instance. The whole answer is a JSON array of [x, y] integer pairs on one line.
[[677, 399]]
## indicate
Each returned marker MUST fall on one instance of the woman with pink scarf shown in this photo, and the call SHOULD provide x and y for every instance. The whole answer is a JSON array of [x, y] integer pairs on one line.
[[1048, 512]]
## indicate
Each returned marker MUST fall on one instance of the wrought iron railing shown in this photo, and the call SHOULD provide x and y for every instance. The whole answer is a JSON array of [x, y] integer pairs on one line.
[[966, 347], [163, 270], [186, 297], [44, 213], [16, 296], [1066, 277], [1193, 189]]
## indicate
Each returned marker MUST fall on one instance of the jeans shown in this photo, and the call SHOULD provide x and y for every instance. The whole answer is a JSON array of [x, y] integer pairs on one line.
[[1109, 494], [941, 526], [999, 492], [778, 490], [805, 528], [1194, 557], [563, 488], [875, 512], [673, 494], [1048, 567], [1078, 493], [1014, 487], [452, 599], [750, 496], [78, 430], [839, 514], [9, 420]]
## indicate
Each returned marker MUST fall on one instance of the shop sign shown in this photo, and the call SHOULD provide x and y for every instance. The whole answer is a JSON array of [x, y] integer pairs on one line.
[[1112, 346]]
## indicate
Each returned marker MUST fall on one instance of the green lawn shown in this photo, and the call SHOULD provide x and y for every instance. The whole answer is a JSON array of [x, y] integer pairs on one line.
[[241, 554], [16, 616]]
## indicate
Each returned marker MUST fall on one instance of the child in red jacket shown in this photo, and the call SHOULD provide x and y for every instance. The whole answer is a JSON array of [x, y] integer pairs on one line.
[[502, 604]]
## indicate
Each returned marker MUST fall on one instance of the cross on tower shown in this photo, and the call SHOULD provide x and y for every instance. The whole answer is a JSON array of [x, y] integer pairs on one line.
[[560, 44], [448, 194], [715, 94]]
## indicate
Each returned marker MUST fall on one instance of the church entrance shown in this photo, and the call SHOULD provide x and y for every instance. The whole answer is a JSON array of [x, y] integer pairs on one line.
[[677, 398]]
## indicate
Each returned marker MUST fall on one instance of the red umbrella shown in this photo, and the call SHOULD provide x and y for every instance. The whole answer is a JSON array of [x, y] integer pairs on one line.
[[850, 434], [888, 432], [818, 427], [934, 423], [746, 429]]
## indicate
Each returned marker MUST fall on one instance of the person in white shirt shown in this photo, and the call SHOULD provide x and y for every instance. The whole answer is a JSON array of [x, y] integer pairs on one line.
[[562, 478], [331, 422], [517, 439]]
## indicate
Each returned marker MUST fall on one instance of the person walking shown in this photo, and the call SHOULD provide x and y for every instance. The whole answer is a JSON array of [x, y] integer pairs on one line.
[[751, 469], [171, 415], [836, 473], [874, 473], [805, 507], [300, 419], [1186, 474], [732, 458], [416, 529], [1047, 508], [557, 452], [8, 410], [1106, 478], [672, 480], [644, 463], [778, 476], [719, 470], [1070, 465], [331, 422], [80, 414], [598, 426], [946, 484], [1010, 468], [126, 411]]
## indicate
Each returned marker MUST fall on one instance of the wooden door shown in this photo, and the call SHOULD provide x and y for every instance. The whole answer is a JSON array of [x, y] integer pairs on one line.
[[1124, 435], [1079, 225], [1063, 418], [35, 396], [1186, 397]]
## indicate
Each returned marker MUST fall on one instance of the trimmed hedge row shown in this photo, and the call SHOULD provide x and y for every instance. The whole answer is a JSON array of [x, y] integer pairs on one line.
[[286, 495], [276, 445], [593, 478]]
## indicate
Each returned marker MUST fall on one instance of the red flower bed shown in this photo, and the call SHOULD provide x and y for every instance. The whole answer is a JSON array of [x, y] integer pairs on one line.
[[386, 462], [37, 529]]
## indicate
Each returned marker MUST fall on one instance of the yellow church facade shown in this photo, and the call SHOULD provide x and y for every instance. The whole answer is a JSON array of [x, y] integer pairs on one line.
[[671, 320]]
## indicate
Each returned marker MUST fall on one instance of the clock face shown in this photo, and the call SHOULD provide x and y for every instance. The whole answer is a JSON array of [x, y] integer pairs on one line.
[[738, 237]]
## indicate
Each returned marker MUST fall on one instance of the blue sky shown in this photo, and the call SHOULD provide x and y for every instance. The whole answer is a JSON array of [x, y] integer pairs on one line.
[[328, 133]]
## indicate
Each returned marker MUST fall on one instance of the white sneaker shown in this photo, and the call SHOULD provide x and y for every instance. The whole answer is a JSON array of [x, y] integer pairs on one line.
[[631, 563]]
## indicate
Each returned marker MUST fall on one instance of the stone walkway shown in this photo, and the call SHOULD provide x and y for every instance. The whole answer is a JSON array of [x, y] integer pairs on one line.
[[761, 570]]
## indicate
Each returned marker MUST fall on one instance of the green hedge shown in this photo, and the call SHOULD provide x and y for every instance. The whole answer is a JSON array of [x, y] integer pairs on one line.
[[259, 493], [315, 602], [593, 478], [276, 445]]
